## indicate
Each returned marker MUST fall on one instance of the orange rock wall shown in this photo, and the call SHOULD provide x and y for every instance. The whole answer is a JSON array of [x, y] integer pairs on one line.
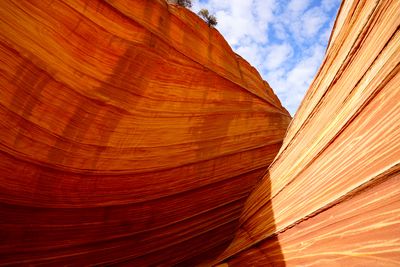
[[130, 133], [331, 196]]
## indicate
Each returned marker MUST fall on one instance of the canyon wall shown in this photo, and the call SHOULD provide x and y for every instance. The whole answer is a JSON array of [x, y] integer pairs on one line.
[[331, 196], [130, 133]]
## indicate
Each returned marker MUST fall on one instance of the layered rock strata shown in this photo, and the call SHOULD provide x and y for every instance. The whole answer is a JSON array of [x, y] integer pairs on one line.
[[131, 133], [331, 196]]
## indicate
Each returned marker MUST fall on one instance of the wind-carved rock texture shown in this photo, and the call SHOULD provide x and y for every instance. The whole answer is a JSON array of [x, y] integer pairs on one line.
[[333, 189], [130, 133]]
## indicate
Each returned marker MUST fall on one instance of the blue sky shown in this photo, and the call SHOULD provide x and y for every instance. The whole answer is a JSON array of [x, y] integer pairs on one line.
[[284, 39]]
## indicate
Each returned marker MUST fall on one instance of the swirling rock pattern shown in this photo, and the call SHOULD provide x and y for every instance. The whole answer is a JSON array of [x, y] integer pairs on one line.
[[333, 189], [130, 133]]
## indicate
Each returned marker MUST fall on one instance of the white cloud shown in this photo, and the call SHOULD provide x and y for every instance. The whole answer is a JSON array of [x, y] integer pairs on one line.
[[312, 21], [285, 40], [277, 55], [296, 7], [251, 52], [264, 10], [280, 31], [292, 85], [328, 5], [238, 19], [304, 71]]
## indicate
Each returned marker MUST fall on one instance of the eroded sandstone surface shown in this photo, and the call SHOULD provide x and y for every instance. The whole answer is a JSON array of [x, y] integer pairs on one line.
[[331, 196], [131, 133]]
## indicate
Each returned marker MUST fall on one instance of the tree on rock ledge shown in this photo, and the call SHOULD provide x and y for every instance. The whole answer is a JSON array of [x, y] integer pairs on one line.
[[210, 19]]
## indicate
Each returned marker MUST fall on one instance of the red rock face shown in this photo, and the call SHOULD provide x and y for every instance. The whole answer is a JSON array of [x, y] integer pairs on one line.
[[331, 196], [131, 133]]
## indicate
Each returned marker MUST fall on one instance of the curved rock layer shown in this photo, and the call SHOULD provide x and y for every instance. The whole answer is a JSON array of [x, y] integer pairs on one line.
[[333, 190], [131, 133]]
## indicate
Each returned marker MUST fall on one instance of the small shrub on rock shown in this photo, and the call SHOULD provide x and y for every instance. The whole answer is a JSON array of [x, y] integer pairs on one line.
[[185, 3], [211, 20]]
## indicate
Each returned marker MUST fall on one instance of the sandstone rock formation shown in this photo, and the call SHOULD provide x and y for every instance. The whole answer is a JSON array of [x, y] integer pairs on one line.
[[333, 190], [131, 133]]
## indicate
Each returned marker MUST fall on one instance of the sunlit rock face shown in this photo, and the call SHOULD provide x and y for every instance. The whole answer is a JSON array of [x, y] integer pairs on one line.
[[331, 196], [130, 133]]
